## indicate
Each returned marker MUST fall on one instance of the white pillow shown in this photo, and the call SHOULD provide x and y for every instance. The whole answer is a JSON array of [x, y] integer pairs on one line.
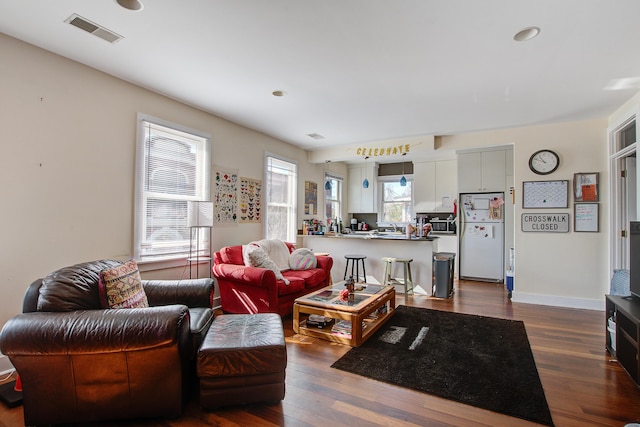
[[277, 250], [303, 259], [245, 255], [257, 257]]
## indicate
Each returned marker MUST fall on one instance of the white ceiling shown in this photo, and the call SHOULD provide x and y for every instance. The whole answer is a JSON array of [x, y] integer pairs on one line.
[[357, 71]]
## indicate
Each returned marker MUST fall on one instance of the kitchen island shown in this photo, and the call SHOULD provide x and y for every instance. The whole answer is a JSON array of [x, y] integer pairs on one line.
[[375, 247]]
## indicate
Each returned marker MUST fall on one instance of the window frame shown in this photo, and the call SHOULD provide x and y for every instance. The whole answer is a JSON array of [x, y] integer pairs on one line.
[[141, 193], [333, 177], [291, 205], [382, 180]]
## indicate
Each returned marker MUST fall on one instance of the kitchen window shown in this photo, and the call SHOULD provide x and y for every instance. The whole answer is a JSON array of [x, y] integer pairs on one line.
[[173, 167], [396, 201], [281, 177], [332, 196]]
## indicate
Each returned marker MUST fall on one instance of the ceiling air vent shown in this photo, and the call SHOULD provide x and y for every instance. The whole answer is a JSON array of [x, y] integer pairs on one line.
[[95, 29]]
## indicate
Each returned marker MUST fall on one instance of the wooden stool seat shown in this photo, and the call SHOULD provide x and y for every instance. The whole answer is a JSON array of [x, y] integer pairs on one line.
[[356, 261], [406, 280]]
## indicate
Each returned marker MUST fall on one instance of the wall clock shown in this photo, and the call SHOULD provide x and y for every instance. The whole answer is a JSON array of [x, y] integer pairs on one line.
[[544, 162]]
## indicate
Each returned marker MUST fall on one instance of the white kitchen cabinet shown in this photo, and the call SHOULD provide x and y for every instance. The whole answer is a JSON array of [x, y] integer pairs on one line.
[[424, 186], [481, 171], [446, 185], [435, 186], [360, 199]]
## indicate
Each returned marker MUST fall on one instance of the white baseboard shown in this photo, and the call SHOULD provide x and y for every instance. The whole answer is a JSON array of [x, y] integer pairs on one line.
[[556, 301], [5, 365]]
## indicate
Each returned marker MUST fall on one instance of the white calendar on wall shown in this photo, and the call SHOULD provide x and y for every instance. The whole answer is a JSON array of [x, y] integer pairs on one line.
[[545, 194]]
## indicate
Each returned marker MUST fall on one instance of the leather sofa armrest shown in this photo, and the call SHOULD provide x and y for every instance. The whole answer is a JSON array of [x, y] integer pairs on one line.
[[95, 331], [30, 300], [254, 276], [190, 292]]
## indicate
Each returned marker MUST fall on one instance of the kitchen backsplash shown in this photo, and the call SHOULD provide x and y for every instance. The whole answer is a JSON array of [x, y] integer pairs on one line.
[[369, 218]]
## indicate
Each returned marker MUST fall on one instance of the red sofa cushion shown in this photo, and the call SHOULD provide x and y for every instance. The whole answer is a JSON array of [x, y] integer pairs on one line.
[[311, 278], [296, 284], [232, 255]]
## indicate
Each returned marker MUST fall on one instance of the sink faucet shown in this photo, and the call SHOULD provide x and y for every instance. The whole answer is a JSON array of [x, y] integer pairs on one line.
[[395, 228]]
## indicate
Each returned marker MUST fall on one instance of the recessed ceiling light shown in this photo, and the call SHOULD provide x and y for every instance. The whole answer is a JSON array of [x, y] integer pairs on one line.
[[315, 136], [526, 34], [135, 5], [278, 93]]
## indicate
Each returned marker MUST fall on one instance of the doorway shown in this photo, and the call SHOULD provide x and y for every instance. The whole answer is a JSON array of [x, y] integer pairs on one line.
[[623, 190]]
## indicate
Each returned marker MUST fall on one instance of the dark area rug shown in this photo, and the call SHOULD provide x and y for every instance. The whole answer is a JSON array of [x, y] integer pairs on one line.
[[476, 360]]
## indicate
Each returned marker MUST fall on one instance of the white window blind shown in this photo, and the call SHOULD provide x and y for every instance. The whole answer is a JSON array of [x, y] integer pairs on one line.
[[173, 167], [281, 178]]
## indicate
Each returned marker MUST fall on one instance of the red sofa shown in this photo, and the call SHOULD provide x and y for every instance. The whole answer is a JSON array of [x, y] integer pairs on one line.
[[245, 289]]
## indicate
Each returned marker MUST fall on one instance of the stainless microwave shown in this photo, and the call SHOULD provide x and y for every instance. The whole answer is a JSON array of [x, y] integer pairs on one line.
[[443, 226]]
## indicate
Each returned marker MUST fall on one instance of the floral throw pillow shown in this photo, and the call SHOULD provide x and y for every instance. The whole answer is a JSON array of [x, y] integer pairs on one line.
[[121, 287]]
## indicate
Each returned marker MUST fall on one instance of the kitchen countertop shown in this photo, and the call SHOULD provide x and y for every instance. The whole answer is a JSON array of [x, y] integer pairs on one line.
[[367, 235], [386, 244]]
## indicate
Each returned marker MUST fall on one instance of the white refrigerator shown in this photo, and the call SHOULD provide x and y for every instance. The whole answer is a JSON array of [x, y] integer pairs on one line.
[[481, 221]]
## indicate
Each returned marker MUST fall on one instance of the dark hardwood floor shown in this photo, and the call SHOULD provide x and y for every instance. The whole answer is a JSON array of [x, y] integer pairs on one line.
[[583, 385]]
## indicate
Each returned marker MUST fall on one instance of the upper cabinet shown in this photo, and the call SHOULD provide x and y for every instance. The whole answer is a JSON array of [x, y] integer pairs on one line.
[[424, 186], [482, 171], [435, 186], [359, 198], [446, 185]]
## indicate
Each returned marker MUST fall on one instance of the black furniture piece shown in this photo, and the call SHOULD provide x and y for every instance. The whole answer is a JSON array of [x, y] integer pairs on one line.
[[81, 363], [443, 274], [356, 261], [623, 332], [242, 360]]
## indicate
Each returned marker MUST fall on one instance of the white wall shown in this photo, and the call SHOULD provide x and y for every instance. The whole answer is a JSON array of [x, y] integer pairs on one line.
[[67, 156], [67, 164], [628, 108], [568, 269]]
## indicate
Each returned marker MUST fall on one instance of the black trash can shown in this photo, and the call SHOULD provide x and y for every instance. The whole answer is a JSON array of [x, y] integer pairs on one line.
[[443, 272]]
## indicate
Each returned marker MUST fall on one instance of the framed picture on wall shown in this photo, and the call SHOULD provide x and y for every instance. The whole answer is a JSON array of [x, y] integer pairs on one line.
[[545, 194], [586, 217], [585, 187]]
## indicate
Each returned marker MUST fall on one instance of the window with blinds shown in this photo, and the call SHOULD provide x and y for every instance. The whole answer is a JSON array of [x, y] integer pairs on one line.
[[173, 167], [332, 196], [280, 179]]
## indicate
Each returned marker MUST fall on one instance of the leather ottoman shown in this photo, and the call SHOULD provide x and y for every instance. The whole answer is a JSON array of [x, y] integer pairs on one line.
[[242, 360]]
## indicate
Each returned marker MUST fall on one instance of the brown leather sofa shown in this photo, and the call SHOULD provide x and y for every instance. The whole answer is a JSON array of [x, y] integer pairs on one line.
[[81, 363]]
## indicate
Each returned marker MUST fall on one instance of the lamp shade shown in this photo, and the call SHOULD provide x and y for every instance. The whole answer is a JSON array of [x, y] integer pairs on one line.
[[200, 214]]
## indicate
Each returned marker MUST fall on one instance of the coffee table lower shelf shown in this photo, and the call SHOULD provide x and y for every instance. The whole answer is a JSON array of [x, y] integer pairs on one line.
[[359, 333]]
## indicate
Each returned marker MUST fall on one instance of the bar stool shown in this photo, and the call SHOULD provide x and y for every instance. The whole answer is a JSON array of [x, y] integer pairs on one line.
[[407, 280], [356, 261]]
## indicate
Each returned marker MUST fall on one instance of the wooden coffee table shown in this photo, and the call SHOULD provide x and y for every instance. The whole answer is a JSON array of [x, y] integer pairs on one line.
[[353, 320]]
